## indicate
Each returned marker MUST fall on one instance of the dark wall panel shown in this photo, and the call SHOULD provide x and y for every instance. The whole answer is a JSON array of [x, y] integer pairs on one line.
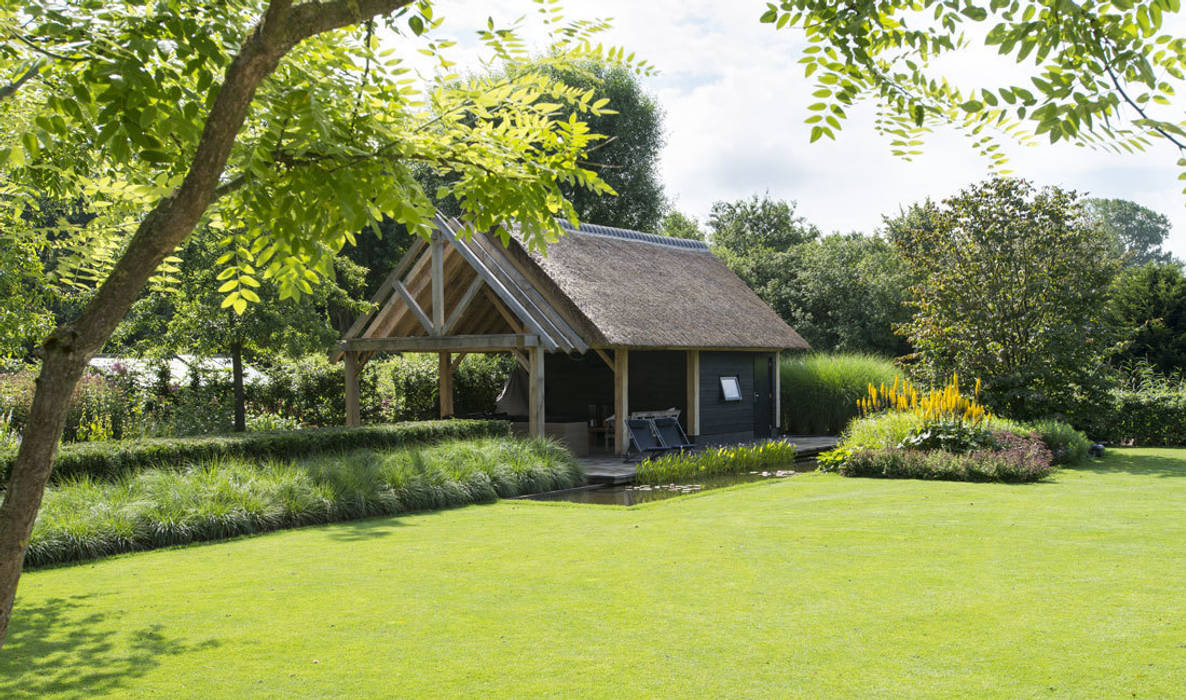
[[717, 416], [574, 383]]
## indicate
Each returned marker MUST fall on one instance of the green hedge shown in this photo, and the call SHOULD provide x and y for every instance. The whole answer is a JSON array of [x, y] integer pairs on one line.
[[105, 460], [1139, 418], [86, 518]]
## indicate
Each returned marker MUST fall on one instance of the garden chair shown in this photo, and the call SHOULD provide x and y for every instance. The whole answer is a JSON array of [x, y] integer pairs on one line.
[[644, 438], [672, 434]]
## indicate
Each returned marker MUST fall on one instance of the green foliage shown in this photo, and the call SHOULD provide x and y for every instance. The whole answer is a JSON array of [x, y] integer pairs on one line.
[[118, 102], [880, 430], [688, 467], [950, 436], [309, 389], [1099, 74], [848, 293], [1067, 445], [1137, 232], [1011, 289], [216, 498], [1148, 305], [759, 225], [110, 459], [627, 159], [820, 391], [676, 224], [1029, 462], [1149, 417]]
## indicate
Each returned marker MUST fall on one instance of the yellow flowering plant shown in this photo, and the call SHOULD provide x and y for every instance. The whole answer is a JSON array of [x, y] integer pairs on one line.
[[947, 404]]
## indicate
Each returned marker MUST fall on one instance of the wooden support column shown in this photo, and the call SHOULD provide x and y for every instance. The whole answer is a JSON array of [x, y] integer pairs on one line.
[[353, 414], [777, 394], [692, 418], [535, 420], [445, 383], [621, 399]]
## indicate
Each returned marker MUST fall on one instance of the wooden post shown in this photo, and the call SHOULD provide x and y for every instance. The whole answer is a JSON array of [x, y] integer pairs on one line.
[[353, 415], [535, 421], [777, 394], [621, 399], [445, 383], [438, 284], [692, 418]]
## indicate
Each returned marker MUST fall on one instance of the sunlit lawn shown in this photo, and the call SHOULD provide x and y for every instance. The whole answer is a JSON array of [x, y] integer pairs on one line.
[[815, 586]]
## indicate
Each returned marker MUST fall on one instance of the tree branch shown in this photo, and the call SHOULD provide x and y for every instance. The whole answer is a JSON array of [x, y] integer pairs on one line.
[[10, 89]]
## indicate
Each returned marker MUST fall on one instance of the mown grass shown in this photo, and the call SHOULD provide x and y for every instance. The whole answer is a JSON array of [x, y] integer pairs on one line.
[[815, 587], [86, 518], [820, 390]]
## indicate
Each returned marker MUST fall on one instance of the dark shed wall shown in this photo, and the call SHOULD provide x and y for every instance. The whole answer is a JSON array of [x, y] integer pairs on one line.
[[575, 383], [719, 419]]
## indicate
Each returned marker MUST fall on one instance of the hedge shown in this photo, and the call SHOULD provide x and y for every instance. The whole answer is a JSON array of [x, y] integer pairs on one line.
[[1020, 460], [1139, 418], [107, 460]]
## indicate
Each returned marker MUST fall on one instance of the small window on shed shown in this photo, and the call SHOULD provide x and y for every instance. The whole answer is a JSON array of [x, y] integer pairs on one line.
[[731, 388]]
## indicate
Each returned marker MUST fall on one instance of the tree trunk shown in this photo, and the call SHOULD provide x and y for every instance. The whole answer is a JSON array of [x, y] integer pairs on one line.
[[237, 385], [68, 349]]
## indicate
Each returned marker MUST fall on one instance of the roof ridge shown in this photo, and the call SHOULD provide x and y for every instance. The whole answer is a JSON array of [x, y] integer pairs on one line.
[[636, 236]]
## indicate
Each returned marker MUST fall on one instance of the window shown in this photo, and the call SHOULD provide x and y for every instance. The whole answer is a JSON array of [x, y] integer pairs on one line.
[[731, 388]]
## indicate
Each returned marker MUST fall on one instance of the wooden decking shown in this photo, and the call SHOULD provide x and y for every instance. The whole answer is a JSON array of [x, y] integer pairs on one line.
[[611, 469]]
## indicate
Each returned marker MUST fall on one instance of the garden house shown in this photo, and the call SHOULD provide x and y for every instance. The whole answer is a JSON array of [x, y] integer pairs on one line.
[[609, 323]]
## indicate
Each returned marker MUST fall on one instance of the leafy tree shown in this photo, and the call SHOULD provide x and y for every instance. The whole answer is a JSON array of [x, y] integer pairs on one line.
[[1100, 73], [1139, 232], [676, 224], [1011, 289], [280, 125], [1149, 303], [628, 157], [751, 226], [850, 294]]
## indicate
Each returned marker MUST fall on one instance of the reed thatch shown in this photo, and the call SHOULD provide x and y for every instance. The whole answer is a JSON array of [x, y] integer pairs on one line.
[[624, 288]]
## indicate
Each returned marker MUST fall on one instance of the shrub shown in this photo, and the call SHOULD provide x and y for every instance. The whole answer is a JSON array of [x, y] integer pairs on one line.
[[408, 388], [1067, 445], [1154, 418], [684, 467], [883, 430], [820, 391], [226, 497], [951, 436], [106, 460], [103, 406], [1019, 459], [310, 389]]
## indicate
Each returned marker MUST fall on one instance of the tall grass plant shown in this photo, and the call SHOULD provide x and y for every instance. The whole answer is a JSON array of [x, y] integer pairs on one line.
[[820, 391]]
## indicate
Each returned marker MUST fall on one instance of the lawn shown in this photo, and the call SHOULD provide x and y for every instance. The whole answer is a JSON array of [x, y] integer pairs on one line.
[[816, 586]]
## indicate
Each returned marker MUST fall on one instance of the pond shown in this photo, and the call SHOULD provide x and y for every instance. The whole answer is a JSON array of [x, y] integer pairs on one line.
[[632, 495]]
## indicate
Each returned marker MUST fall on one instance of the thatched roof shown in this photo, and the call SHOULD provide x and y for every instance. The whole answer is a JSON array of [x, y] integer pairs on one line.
[[597, 287], [637, 290]]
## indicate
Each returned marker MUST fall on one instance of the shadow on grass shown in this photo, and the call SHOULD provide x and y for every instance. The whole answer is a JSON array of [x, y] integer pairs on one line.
[[66, 648], [362, 530], [1118, 461]]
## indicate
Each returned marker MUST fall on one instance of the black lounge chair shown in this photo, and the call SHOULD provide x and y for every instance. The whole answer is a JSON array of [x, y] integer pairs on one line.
[[672, 434], [644, 438]]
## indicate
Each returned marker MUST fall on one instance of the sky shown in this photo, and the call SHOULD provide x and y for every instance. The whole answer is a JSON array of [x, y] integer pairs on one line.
[[734, 99]]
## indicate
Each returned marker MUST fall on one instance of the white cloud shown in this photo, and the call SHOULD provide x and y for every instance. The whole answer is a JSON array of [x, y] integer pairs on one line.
[[735, 101]]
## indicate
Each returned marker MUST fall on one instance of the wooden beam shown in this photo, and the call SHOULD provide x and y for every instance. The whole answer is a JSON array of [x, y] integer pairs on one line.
[[438, 285], [411, 302], [621, 399], [777, 394], [503, 311], [447, 343], [457, 360], [535, 420], [353, 414], [522, 359], [385, 289], [445, 383], [463, 304], [692, 414]]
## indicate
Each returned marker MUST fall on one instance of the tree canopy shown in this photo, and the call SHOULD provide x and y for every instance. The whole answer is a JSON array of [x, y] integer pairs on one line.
[[1100, 73], [1149, 304], [1011, 288], [1138, 231]]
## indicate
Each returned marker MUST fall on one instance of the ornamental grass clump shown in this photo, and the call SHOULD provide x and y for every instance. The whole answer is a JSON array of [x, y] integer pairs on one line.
[[687, 467], [87, 517]]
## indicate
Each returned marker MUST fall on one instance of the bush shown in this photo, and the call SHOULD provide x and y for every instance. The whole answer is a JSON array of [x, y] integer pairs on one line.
[[311, 390], [950, 436], [1153, 418], [107, 460], [820, 391], [1067, 445], [103, 407], [408, 387], [880, 431], [226, 497], [1018, 460], [683, 467]]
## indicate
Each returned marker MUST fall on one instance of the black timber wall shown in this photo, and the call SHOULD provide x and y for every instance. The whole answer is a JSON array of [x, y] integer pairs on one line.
[[574, 383], [727, 420]]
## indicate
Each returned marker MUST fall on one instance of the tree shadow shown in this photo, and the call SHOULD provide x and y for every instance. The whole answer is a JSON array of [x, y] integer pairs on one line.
[[362, 530], [66, 648], [1117, 461]]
